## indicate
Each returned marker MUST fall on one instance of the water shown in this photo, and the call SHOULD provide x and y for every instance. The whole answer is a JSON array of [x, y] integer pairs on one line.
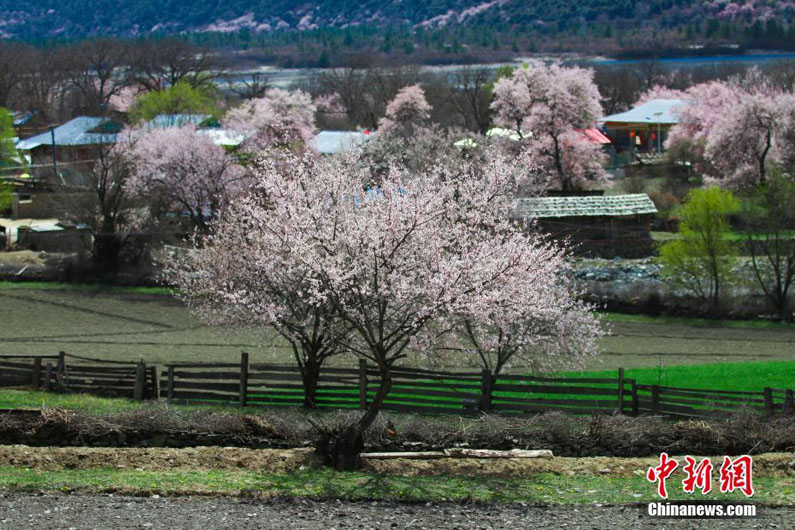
[[291, 77]]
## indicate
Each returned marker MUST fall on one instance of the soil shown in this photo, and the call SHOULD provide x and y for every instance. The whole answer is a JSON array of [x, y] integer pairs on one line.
[[118, 512], [280, 461]]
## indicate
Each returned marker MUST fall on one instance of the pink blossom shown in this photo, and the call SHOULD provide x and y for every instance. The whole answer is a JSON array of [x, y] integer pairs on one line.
[[184, 170]]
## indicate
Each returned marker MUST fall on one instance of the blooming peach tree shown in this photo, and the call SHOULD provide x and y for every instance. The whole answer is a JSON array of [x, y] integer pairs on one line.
[[392, 264], [546, 105]]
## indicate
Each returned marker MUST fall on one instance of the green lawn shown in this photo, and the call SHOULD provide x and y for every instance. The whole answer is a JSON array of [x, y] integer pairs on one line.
[[544, 488], [721, 376]]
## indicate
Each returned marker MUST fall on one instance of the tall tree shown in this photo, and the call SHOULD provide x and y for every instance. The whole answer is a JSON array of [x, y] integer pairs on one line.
[[93, 68], [159, 64], [392, 261], [768, 217]]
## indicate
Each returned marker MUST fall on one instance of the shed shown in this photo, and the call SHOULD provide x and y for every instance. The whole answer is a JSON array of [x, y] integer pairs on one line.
[[597, 225]]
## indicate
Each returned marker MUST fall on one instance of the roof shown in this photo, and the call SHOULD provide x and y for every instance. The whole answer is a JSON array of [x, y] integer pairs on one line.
[[584, 206], [595, 135], [74, 132], [656, 110], [334, 142], [223, 137], [163, 121]]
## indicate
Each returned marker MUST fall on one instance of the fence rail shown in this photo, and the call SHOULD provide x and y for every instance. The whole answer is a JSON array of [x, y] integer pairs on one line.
[[413, 390]]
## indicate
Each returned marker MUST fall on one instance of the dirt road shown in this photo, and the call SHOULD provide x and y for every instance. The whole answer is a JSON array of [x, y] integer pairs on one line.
[[104, 512]]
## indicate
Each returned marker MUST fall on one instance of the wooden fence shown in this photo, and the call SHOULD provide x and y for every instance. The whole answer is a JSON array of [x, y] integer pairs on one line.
[[413, 390], [72, 373]]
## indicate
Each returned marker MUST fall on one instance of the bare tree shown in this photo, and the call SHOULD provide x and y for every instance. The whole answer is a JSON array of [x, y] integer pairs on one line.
[[158, 65], [768, 215], [13, 65], [93, 68], [252, 86]]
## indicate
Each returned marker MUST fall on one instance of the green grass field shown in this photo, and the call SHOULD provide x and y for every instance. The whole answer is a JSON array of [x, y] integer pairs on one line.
[[150, 324]]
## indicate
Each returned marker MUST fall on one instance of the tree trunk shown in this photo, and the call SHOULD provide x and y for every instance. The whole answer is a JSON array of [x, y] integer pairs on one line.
[[310, 376], [340, 447]]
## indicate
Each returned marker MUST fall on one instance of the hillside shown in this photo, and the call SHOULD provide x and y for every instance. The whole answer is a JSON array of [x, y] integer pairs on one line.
[[496, 24]]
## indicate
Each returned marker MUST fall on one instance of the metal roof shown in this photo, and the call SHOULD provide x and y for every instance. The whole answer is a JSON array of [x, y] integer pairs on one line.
[[334, 142], [656, 110], [73, 132], [583, 206]]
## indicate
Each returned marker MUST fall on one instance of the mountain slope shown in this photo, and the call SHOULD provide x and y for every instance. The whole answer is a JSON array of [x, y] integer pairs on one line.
[[29, 19]]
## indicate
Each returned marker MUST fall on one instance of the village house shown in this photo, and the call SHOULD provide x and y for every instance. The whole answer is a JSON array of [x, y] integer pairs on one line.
[[643, 129], [596, 225], [75, 145]]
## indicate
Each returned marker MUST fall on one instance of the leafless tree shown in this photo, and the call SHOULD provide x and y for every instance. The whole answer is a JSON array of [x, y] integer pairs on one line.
[[156, 65], [252, 86], [94, 70]]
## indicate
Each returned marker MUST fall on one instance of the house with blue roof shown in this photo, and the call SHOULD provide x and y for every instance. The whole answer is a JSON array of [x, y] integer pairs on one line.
[[75, 145]]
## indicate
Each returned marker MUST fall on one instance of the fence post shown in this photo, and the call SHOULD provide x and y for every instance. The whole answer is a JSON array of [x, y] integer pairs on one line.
[[170, 384], [153, 377], [59, 370], [635, 407], [140, 381], [767, 393], [362, 384], [485, 388], [243, 378], [655, 399], [48, 377], [621, 391], [36, 378]]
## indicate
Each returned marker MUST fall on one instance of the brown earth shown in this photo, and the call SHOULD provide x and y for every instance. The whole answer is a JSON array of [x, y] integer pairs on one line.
[[280, 461]]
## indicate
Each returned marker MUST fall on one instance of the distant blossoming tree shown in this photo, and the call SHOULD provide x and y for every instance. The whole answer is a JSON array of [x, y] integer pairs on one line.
[[280, 118], [185, 171], [549, 103], [661, 92], [406, 115], [393, 260]]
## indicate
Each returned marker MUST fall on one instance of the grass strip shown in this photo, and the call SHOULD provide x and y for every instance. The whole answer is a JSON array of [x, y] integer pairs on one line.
[[328, 484]]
